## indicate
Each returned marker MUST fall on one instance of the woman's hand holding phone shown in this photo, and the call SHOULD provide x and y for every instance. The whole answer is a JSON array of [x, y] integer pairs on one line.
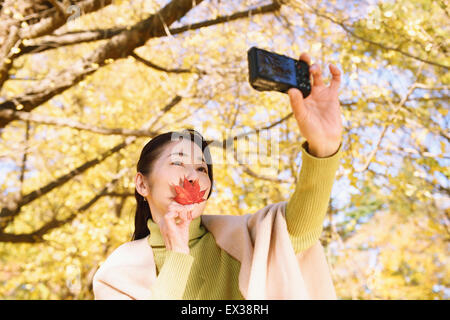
[[319, 116]]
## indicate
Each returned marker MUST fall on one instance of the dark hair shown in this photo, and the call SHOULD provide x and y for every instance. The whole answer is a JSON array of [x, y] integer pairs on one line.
[[150, 153]]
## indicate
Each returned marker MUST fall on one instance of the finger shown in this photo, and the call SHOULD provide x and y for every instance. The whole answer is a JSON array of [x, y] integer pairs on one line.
[[171, 215], [336, 77], [176, 207], [177, 220], [186, 213], [171, 207], [181, 217], [191, 210], [175, 204], [169, 219], [183, 214], [297, 103], [317, 74], [305, 57]]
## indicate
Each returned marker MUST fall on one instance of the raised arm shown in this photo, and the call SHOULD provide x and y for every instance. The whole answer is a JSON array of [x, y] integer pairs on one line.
[[307, 207], [319, 119]]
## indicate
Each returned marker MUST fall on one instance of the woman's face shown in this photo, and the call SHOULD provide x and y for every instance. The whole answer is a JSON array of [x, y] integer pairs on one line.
[[178, 160]]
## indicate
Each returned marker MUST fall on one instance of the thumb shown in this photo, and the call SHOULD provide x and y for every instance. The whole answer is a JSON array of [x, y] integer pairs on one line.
[[297, 103]]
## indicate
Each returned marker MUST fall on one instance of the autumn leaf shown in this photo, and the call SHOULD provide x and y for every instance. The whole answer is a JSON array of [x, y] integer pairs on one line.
[[189, 193]]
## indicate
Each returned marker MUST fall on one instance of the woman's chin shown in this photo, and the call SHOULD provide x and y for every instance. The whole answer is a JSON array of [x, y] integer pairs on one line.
[[196, 215]]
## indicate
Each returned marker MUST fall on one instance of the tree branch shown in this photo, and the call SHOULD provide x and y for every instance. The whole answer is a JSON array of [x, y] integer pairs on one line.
[[156, 67], [253, 174], [48, 25], [59, 7], [9, 38], [395, 101], [66, 39]]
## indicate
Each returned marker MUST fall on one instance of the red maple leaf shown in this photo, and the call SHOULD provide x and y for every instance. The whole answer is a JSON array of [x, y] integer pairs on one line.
[[189, 193]]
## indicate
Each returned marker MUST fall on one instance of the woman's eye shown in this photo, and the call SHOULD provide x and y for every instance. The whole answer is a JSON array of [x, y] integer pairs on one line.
[[178, 162]]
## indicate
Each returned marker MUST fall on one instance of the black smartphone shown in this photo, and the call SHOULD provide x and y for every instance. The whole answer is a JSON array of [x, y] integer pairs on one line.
[[270, 71]]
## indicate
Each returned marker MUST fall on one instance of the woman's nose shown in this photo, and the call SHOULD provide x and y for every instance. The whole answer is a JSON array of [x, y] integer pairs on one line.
[[192, 175]]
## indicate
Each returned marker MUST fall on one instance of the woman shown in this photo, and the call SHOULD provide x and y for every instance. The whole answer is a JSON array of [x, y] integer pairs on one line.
[[178, 253]]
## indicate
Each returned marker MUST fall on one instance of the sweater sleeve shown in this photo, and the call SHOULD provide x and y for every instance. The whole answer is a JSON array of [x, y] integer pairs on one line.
[[172, 279], [307, 207]]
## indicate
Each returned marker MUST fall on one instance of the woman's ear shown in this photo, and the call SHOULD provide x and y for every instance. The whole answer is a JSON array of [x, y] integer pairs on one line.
[[141, 185]]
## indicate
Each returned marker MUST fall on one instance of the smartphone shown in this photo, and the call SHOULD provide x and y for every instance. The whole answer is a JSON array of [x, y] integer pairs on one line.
[[270, 71]]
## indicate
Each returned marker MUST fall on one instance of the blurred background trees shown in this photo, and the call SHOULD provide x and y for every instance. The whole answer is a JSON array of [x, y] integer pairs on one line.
[[85, 84]]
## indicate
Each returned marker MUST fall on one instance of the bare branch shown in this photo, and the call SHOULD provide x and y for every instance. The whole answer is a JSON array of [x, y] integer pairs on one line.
[[422, 154], [24, 156], [223, 143], [156, 67], [395, 101]]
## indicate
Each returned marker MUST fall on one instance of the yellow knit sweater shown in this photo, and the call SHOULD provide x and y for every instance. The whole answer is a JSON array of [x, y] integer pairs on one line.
[[208, 272]]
